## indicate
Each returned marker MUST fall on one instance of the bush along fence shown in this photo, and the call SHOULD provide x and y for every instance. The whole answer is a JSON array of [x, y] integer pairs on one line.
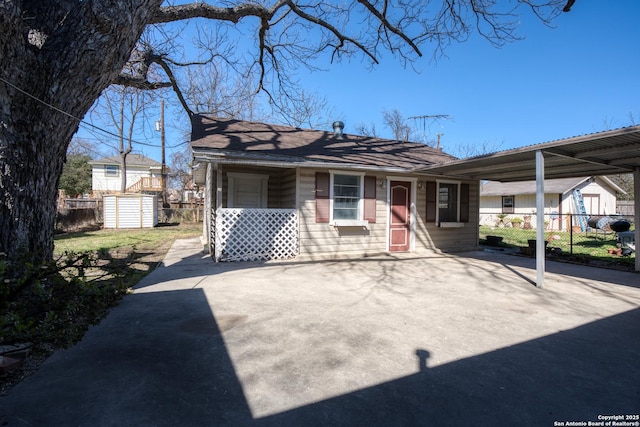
[[584, 235]]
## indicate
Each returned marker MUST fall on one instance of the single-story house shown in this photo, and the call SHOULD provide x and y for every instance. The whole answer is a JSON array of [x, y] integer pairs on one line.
[[143, 174], [282, 192], [583, 196]]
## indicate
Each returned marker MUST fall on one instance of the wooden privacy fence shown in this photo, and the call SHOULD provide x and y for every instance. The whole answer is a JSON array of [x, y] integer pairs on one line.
[[255, 234]]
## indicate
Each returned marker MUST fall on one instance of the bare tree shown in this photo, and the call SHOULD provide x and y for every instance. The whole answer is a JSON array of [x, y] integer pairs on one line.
[[121, 108], [180, 167], [471, 150], [398, 125], [306, 109], [83, 147], [366, 130], [57, 57]]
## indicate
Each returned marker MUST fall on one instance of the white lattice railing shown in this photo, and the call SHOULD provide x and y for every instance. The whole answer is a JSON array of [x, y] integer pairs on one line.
[[255, 234]]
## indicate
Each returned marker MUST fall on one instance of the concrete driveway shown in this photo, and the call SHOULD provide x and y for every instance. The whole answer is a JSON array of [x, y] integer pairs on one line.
[[440, 340]]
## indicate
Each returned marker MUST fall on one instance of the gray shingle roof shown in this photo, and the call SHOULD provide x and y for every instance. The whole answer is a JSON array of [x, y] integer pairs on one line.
[[251, 140], [551, 186], [132, 160]]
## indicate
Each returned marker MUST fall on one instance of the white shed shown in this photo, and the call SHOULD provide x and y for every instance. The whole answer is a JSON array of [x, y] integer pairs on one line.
[[130, 211]]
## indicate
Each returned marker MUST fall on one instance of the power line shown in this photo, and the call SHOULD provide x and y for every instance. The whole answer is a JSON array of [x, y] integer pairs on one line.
[[80, 121]]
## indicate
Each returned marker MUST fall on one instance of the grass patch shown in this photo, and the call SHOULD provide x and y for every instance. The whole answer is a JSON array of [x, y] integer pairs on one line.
[[145, 239], [583, 247]]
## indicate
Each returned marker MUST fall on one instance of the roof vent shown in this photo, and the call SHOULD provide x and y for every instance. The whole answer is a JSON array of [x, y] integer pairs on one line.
[[338, 127]]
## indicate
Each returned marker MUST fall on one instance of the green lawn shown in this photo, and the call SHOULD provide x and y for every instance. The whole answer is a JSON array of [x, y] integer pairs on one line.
[[144, 239], [580, 245]]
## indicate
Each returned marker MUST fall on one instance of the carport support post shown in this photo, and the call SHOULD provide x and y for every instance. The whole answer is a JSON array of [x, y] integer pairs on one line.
[[636, 212], [540, 246]]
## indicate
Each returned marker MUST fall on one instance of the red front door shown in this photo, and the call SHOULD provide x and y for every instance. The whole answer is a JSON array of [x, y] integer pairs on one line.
[[400, 217]]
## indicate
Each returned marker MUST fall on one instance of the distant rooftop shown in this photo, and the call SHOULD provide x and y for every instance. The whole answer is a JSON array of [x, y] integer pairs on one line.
[[132, 160]]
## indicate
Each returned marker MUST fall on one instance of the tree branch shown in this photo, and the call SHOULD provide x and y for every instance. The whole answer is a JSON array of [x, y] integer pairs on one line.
[[140, 83], [158, 59], [203, 10], [387, 25], [322, 23]]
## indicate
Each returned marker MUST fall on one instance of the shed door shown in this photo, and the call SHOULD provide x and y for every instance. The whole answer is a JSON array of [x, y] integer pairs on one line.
[[592, 203], [400, 216]]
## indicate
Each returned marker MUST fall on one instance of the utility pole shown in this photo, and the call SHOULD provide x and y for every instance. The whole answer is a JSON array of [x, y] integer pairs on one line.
[[163, 179]]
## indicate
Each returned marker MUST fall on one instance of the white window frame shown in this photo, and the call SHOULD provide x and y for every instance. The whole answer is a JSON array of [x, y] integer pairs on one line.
[[264, 186], [513, 205], [448, 224], [359, 221], [109, 170]]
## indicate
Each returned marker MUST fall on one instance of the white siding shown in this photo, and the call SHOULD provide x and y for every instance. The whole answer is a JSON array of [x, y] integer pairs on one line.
[[102, 183], [599, 199], [130, 211], [603, 200]]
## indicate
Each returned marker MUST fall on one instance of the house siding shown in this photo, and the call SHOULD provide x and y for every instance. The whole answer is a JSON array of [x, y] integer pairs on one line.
[[324, 240], [286, 188], [430, 237], [107, 184], [281, 185], [600, 199]]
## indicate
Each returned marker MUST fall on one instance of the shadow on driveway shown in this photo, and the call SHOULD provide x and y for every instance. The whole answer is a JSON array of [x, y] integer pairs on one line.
[[163, 357]]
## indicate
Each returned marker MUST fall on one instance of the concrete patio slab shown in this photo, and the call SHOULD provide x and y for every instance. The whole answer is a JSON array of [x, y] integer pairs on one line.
[[433, 340]]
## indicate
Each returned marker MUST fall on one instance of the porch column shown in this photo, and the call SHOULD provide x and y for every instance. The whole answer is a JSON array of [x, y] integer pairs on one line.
[[206, 217], [540, 246], [218, 189], [636, 211]]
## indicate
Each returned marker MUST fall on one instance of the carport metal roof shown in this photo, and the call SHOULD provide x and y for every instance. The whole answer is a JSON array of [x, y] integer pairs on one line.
[[604, 153]]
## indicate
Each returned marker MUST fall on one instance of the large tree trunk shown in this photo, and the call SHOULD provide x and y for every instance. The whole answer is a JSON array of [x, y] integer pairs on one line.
[[51, 71]]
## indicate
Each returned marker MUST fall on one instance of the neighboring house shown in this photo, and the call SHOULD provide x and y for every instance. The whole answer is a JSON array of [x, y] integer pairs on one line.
[[561, 197], [281, 192], [143, 174]]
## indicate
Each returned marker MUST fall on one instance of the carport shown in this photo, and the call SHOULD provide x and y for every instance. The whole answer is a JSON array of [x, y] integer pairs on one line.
[[603, 153]]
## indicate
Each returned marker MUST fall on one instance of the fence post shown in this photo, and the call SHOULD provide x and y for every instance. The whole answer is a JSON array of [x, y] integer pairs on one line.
[[571, 234]]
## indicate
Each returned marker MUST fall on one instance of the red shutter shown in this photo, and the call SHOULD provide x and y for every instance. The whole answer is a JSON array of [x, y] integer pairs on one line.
[[370, 199], [322, 197], [432, 201], [464, 202]]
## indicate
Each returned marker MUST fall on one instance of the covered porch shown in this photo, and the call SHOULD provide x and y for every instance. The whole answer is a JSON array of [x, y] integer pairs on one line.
[[250, 212]]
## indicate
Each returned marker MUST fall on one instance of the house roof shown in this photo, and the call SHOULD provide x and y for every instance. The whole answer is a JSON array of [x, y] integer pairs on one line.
[[236, 141], [132, 160], [551, 186], [603, 153]]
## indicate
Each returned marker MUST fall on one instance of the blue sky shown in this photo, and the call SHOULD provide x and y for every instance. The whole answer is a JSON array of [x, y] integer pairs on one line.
[[579, 77]]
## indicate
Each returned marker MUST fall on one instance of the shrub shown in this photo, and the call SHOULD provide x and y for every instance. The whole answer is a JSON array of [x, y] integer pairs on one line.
[[57, 302], [516, 221]]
